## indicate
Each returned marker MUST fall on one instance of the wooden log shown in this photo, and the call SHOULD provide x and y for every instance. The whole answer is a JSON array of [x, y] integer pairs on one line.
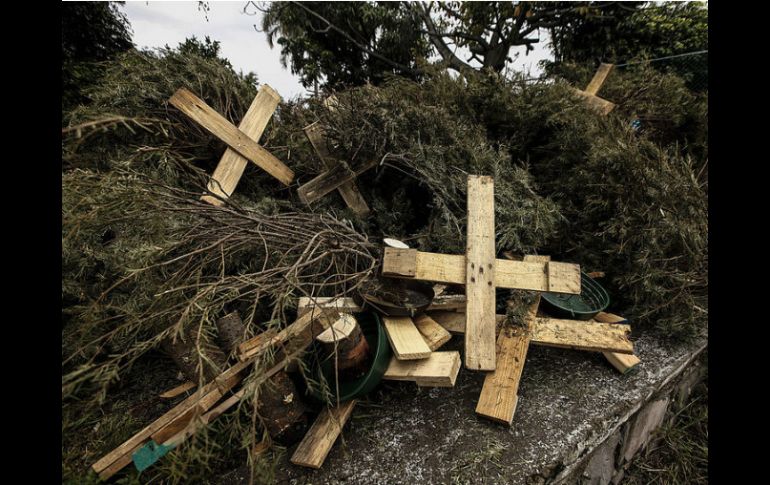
[[281, 411], [195, 354], [438, 370], [320, 438], [405, 340], [624, 363], [316, 135], [499, 397], [344, 305], [216, 124], [231, 166], [230, 332], [480, 275], [346, 339], [434, 334], [450, 268]]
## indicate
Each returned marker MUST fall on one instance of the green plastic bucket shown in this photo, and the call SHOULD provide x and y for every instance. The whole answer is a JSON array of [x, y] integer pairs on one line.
[[593, 298]]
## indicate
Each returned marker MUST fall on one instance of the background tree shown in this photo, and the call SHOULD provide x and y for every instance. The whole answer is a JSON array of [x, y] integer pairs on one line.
[[91, 32], [621, 32], [350, 43], [344, 43]]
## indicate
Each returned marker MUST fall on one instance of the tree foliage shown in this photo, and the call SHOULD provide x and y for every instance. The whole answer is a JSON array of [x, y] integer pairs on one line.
[[627, 31], [351, 43], [91, 32], [344, 43]]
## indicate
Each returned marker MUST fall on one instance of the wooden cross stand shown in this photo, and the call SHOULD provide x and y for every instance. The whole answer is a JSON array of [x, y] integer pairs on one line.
[[338, 176], [601, 105], [241, 140], [481, 273]]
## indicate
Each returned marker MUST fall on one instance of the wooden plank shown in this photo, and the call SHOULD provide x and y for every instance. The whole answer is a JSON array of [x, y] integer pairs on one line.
[[256, 345], [217, 125], [573, 334], [222, 385], [602, 106], [563, 277], [326, 182], [318, 441], [121, 456], [172, 393], [181, 421], [498, 398], [452, 321], [599, 77], [231, 166], [438, 370], [434, 334], [624, 363], [448, 302], [399, 262], [480, 275], [344, 305], [450, 268], [316, 135], [586, 335], [405, 340]]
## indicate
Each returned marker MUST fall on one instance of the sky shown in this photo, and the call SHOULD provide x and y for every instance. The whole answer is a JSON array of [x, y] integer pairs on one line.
[[156, 24]]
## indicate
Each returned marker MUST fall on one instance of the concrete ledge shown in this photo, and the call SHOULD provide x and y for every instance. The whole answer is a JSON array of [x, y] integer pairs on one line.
[[578, 421]]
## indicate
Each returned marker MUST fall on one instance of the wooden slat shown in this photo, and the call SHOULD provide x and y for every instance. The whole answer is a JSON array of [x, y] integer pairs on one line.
[[217, 125], [449, 268], [400, 262], [341, 173], [320, 438], [587, 335], [231, 166], [452, 321], [172, 393], [405, 340], [121, 456], [438, 370], [602, 106], [480, 275], [316, 135], [498, 397], [598, 80], [434, 334], [321, 318], [345, 305], [624, 363], [573, 334], [447, 302], [563, 277]]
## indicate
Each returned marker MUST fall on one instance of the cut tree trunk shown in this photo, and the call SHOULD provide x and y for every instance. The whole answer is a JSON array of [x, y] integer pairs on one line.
[[346, 338], [283, 414], [196, 355], [230, 331]]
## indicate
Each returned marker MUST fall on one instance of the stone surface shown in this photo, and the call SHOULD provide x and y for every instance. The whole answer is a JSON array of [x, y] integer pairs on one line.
[[601, 465], [570, 403], [647, 421]]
